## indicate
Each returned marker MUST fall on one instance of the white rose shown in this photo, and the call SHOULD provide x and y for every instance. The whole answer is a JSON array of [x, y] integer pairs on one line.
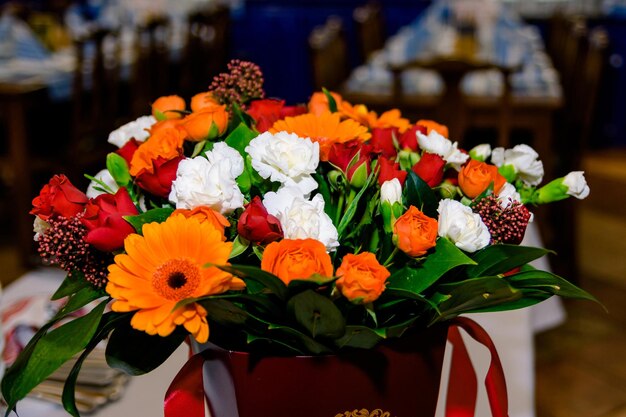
[[525, 161], [301, 218], [105, 177], [391, 191], [136, 129], [576, 184], [462, 226], [507, 195], [209, 181], [481, 152], [439, 145], [285, 158]]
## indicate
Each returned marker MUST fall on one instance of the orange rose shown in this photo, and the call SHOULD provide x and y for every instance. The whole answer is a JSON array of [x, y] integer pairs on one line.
[[475, 177], [291, 259], [415, 232], [432, 125], [166, 143], [203, 101], [168, 107], [206, 214], [164, 124], [362, 278], [318, 104], [200, 125]]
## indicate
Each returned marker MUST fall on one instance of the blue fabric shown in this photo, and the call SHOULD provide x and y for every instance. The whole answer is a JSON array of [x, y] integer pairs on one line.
[[17, 36]]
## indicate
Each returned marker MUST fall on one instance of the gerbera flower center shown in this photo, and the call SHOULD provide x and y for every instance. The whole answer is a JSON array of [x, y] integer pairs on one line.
[[176, 279]]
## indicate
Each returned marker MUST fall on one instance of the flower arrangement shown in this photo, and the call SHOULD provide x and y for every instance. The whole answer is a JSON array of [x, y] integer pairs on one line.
[[280, 229]]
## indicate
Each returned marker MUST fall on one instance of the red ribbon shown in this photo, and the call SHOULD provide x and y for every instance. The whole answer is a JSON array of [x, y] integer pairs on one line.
[[185, 396]]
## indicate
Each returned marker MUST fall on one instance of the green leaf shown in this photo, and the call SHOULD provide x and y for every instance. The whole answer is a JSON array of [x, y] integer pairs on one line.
[[549, 283], [417, 279], [397, 293], [332, 104], [352, 207], [72, 283], [199, 147], [136, 352], [361, 337], [475, 294], [324, 191], [118, 167], [313, 282], [288, 335], [419, 194], [499, 259], [258, 276], [239, 246], [317, 314], [48, 354], [108, 322], [240, 138], [159, 115], [225, 312], [255, 340], [240, 117], [158, 215]]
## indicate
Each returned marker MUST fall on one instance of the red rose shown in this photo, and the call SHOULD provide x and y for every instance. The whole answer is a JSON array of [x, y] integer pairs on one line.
[[128, 150], [390, 170], [265, 112], [59, 197], [160, 181], [382, 141], [408, 140], [103, 219], [430, 168], [292, 111], [257, 225], [341, 154]]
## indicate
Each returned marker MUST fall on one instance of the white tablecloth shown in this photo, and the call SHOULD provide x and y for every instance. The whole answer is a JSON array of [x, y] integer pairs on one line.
[[511, 331]]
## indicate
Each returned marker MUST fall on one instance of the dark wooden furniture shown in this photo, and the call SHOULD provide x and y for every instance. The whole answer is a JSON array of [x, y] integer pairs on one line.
[[369, 26], [329, 55]]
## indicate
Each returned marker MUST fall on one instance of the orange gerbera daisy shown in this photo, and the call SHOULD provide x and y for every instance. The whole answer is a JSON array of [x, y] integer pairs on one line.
[[325, 129], [360, 113], [165, 266]]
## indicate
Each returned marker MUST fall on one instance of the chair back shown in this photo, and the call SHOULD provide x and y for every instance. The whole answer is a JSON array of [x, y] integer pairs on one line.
[[207, 47], [328, 50], [152, 67], [370, 29], [573, 54]]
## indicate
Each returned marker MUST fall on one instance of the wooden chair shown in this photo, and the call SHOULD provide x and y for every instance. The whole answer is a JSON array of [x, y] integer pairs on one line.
[[573, 54], [152, 67], [329, 55], [370, 29], [207, 48]]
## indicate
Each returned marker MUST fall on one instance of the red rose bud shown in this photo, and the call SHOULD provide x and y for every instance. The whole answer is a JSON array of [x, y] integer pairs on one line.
[[160, 181], [59, 198], [104, 220], [382, 141], [265, 112], [430, 168], [390, 170], [341, 154], [257, 225], [128, 150], [408, 140]]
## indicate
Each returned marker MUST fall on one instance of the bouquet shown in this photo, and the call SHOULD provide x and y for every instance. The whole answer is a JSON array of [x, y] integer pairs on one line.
[[284, 230]]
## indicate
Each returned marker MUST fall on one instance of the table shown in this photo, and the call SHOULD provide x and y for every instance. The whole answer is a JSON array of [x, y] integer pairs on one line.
[[511, 331]]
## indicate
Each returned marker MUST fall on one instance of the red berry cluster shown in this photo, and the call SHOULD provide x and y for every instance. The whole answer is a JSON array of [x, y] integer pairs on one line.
[[506, 225], [242, 82], [63, 245]]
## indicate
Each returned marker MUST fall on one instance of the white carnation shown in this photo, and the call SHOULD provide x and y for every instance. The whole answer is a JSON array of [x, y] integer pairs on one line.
[[391, 191], [576, 184], [105, 177], [439, 145], [462, 226], [210, 181], [286, 158], [136, 129], [507, 195], [523, 159], [301, 218], [481, 152]]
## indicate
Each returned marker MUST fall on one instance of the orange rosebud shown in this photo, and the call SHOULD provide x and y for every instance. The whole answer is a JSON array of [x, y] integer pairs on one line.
[[164, 124], [206, 124], [361, 277], [166, 143], [475, 177], [168, 107], [206, 214], [415, 232], [291, 259], [203, 101], [432, 125], [318, 104]]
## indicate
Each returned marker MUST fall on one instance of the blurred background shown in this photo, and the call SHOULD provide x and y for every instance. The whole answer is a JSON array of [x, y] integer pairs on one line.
[[550, 73]]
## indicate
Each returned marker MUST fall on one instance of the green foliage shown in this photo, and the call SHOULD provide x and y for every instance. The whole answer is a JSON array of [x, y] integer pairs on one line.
[[158, 215], [417, 193], [118, 168]]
